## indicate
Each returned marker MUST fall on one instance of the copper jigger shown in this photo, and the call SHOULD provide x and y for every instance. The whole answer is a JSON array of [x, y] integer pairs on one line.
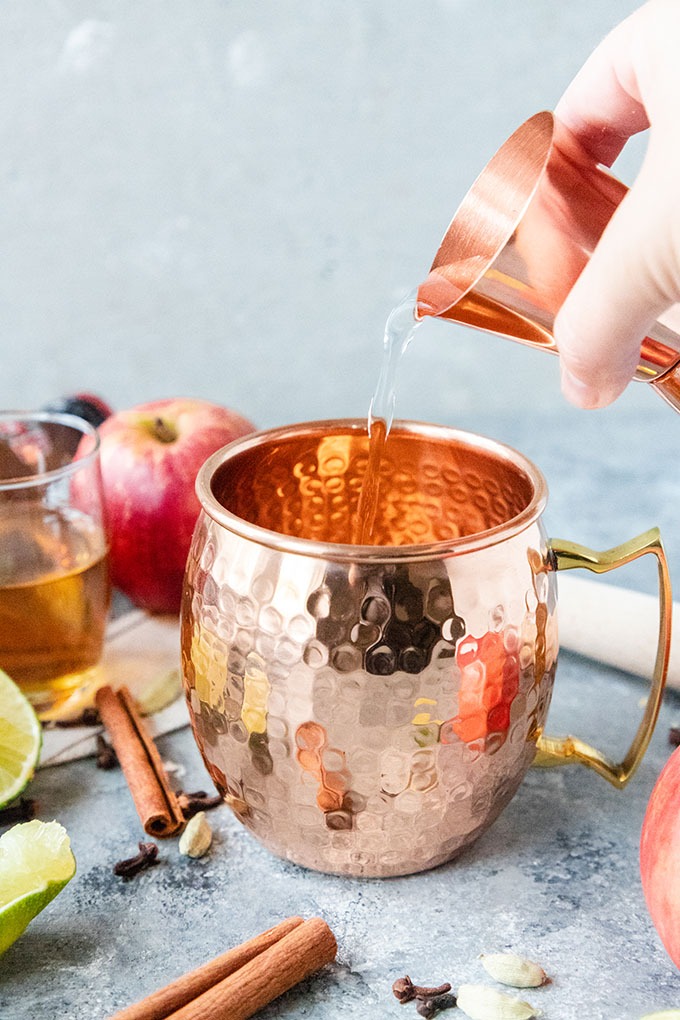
[[520, 239]]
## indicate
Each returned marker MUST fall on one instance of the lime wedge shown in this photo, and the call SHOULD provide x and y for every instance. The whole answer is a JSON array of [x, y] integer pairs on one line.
[[20, 740], [36, 862]]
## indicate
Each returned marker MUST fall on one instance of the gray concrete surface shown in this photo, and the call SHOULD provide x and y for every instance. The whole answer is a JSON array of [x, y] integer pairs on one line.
[[555, 878]]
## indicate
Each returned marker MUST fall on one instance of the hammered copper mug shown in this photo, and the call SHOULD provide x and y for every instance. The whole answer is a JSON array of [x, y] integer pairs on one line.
[[370, 710]]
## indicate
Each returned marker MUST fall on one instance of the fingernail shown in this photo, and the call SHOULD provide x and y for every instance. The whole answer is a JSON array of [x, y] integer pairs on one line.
[[577, 391]]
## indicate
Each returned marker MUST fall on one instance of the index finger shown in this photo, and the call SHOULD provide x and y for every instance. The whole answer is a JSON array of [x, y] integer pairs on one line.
[[603, 105]]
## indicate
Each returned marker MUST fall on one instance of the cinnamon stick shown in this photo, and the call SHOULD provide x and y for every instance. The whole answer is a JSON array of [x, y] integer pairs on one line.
[[296, 956], [166, 1001], [156, 803]]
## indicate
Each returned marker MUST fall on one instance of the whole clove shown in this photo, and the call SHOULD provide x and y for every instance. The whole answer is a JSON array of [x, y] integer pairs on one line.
[[429, 1007], [191, 803], [106, 756], [147, 856], [21, 811], [404, 990], [88, 717], [674, 736]]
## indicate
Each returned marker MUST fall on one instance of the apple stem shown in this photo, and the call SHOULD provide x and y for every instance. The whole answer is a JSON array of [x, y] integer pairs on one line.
[[163, 431]]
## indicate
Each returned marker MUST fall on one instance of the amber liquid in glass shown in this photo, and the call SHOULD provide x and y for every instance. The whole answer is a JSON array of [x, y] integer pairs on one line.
[[399, 331], [54, 598]]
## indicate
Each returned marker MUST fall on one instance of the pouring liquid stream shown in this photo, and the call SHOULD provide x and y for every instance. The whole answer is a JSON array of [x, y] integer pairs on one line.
[[400, 329]]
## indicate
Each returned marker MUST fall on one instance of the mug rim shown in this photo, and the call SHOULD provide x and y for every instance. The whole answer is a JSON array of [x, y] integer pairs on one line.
[[346, 552], [72, 466]]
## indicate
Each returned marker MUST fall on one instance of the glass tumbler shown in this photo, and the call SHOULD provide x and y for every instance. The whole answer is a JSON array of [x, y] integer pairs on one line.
[[54, 578]]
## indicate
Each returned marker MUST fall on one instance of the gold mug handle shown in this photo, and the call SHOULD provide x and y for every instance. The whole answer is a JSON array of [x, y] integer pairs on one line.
[[567, 750]]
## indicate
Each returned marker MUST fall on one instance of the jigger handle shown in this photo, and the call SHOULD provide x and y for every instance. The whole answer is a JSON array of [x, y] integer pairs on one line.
[[569, 750], [668, 387], [660, 362]]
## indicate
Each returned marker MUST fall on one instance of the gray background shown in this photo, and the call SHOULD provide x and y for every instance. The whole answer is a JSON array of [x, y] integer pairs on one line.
[[225, 199]]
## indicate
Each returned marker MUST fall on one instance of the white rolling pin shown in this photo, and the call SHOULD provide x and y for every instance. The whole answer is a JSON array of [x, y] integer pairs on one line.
[[615, 626]]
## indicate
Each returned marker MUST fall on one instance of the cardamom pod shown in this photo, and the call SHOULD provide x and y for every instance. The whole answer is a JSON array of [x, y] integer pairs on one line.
[[511, 969], [196, 839], [664, 1014], [480, 1002]]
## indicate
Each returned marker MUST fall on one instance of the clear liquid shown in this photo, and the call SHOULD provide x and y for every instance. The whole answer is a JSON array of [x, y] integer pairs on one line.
[[400, 329]]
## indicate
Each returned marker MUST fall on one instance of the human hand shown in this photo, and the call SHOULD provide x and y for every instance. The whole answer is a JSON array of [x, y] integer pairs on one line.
[[629, 83]]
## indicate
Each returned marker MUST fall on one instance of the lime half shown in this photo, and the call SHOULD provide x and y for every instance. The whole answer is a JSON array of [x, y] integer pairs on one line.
[[20, 740], [36, 862]]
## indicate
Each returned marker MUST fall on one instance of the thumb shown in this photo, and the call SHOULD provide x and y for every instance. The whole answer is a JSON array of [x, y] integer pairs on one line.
[[624, 287]]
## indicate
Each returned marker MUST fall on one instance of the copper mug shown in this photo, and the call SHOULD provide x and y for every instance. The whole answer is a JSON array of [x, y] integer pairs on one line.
[[370, 710], [520, 239]]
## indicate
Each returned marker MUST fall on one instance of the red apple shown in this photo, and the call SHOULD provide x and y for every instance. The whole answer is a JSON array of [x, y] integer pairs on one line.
[[660, 856], [150, 456]]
